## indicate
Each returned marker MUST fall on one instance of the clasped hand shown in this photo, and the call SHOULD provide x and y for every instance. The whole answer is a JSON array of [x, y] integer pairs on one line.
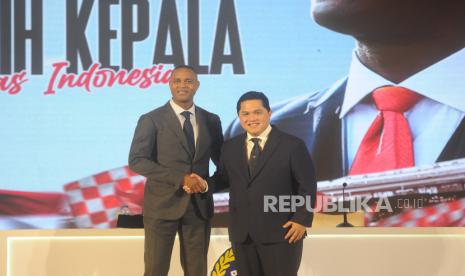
[[193, 183]]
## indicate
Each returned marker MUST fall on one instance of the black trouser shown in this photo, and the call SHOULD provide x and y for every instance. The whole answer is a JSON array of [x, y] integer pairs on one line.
[[267, 259]]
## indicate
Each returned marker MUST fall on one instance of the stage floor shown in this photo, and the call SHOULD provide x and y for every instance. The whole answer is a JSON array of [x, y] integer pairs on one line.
[[327, 252]]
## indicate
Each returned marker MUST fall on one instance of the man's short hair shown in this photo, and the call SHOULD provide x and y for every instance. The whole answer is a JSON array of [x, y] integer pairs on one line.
[[184, 67], [253, 95]]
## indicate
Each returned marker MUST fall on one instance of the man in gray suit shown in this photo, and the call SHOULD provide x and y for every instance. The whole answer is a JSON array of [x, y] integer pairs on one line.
[[172, 147]]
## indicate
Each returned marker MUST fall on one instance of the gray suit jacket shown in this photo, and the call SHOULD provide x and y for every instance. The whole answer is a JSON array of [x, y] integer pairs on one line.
[[159, 151]]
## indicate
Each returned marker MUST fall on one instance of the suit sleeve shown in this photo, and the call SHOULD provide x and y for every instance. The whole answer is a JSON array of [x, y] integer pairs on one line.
[[304, 176], [217, 141], [141, 159], [219, 180]]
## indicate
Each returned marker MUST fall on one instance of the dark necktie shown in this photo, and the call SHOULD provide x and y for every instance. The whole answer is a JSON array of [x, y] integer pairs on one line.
[[388, 143], [188, 131], [254, 154]]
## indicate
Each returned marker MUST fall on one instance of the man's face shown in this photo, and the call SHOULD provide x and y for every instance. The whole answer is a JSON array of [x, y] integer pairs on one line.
[[254, 117], [183, 85]]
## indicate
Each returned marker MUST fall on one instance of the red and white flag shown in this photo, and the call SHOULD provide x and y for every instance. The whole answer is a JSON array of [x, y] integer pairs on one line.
[[91, 202], [95, 200], [21, 210], [439, 215]]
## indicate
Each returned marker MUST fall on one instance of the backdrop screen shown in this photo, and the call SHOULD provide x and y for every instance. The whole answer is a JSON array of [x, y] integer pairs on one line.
[[77, 74]]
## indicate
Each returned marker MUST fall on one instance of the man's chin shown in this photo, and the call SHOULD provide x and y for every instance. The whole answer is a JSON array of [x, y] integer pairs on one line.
[[183, 99]]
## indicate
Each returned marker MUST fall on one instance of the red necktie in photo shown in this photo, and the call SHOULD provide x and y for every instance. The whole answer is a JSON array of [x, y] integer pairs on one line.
[[388, 143]]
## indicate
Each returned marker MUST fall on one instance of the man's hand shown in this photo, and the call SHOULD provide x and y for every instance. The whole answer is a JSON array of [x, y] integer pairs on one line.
[[202, 181], [193, 183], [295, 232]]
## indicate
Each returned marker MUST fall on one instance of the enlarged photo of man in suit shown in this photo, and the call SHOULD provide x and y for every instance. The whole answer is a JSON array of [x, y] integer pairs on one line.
[[415, 46], [172, 147], [403, 101], [265, 161]]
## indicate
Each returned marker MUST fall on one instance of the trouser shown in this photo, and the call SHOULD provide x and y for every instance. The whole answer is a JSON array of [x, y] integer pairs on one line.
[[194, 237], [267, 259]]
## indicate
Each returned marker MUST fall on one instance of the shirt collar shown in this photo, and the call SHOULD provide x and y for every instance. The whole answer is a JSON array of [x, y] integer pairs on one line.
[[178, 110], [262, 136], [443, 82]]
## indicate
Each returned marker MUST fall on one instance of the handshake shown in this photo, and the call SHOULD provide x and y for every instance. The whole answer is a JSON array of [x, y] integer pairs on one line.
[[193, 183]]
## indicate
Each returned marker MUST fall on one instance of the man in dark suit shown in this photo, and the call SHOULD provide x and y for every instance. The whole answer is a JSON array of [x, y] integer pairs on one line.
[[265, 162], [172, 147], [418, 45]]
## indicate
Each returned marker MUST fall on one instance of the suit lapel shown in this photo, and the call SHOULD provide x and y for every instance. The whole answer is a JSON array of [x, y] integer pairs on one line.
[[173, 123], [242, 150], [455, 148], [203, 137], [270, 147], [328, 145]]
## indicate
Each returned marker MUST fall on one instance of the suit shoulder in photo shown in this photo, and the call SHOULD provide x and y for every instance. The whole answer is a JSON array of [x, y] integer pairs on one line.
[[306, 103]]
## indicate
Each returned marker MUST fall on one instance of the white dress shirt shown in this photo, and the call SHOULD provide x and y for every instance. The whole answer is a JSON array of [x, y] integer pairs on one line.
[[432, 120], [178, 110], [263, 138]]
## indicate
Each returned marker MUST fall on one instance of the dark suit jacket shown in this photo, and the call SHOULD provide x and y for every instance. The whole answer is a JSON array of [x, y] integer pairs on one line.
[[284, 168], [315, 119], [159, 151]]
